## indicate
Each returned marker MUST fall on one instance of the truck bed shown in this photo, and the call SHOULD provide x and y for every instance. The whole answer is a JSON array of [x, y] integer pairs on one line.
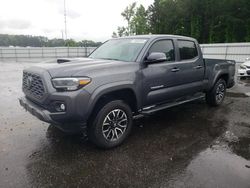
[[214, 66]]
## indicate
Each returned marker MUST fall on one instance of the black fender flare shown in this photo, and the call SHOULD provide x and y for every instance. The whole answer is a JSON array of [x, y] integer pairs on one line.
[[107, 88], [218, 74]]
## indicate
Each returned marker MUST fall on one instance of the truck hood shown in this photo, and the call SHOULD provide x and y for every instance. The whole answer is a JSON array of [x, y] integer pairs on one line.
[[247, 63], [87, 67]]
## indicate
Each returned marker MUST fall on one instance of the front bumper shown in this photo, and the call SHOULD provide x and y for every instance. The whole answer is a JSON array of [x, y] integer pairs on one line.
[[66, 121], [37, 111], [243, 72], [76, 111]]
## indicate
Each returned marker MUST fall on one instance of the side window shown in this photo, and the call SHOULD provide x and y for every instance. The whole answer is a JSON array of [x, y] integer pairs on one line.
[[187, 49], [165, 46]]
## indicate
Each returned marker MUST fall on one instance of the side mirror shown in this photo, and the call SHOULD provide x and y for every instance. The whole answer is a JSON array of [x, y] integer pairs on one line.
[[156, 57]]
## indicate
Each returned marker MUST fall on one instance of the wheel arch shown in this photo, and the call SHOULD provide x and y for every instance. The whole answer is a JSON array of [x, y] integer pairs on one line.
[[221, 74], [122, 91]]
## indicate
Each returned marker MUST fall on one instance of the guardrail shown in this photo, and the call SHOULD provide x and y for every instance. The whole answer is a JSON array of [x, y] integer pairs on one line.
[[234, 51]]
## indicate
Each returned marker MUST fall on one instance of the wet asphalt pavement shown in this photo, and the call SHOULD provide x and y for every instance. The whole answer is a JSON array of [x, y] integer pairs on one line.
[[192, 145]]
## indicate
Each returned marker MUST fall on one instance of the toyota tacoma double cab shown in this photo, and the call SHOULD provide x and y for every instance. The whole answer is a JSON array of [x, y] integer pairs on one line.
[[123, 79]]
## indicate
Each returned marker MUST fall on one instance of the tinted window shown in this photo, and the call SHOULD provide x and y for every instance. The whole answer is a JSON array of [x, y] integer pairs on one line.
[[187, 49], [165, 46]]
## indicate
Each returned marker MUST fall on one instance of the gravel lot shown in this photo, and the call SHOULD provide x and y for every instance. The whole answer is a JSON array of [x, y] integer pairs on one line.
[[187, 146]]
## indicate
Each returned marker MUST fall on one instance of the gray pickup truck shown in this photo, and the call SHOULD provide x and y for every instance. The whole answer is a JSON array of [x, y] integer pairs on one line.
[[123, 79]]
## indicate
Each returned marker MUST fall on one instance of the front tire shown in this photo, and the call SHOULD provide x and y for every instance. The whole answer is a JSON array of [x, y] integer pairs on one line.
[[216, 96], [111, 124]]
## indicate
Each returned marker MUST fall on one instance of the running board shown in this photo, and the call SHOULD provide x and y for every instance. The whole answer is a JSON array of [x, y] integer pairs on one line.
[[138, 116], [168, 105]]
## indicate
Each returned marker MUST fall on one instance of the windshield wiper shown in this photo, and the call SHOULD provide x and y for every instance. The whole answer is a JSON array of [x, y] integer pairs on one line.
[[111, 59]]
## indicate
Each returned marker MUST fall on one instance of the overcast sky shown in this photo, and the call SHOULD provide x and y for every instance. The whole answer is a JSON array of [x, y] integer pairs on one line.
[[87, 19]]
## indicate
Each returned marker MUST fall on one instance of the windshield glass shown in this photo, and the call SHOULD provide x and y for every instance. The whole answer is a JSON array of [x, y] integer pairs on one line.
[[119, 49]]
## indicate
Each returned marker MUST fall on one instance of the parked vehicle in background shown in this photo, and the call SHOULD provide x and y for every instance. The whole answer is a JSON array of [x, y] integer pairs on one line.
[[244, 70], [122, 79]]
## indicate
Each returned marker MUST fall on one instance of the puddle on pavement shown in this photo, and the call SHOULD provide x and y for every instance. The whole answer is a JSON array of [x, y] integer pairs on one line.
[[206, 155], [245, 82], [215, 167], [226, 163], [165, 145], [241, 88], [237, 95], [173, 147], [242, 148]]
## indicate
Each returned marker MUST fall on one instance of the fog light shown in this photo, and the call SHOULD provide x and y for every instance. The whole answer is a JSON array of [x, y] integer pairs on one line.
[[63, 107], [59, 107]]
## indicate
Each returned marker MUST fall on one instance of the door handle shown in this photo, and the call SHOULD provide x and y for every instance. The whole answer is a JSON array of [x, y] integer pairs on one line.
[[198, 67], [175, 69]]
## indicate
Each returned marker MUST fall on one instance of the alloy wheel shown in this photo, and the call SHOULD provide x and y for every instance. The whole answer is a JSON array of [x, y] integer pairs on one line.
[[220, 92], [114, 125]]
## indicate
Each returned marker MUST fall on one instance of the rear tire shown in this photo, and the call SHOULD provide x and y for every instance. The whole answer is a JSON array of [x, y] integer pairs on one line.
[[111, 124], [217, 94]]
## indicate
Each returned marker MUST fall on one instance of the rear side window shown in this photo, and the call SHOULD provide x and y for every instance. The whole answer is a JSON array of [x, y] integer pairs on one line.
[[164, 46], [187, 49]]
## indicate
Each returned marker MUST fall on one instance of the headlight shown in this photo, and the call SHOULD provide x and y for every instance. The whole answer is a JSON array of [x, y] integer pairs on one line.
[[243, 67], [70, 84]]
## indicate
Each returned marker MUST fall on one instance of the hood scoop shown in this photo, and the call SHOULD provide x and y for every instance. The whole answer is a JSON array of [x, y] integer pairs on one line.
[[63, 60]]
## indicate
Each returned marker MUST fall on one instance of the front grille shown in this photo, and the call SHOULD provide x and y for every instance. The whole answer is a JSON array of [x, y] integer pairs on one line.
[[248, 72], [33, 85]]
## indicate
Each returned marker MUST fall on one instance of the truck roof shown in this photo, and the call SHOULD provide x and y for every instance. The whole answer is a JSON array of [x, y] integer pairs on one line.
[[154, 36]]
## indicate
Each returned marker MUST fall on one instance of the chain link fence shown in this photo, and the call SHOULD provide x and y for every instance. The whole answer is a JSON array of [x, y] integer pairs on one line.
[[33, 54], [234, 51]]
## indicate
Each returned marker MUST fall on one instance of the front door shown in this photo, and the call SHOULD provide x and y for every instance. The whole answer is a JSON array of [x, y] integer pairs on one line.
[[159, 78]]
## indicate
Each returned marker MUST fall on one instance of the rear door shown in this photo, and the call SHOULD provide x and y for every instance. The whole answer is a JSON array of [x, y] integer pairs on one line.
[[190, 67]]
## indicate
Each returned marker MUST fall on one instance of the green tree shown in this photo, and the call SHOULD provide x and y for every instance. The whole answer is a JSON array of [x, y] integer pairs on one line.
[[122, 31], [114, 35], [139, 23], [208, 21], [247, 38], [70, 43], [128, 15], [39, 41], [89, 43]]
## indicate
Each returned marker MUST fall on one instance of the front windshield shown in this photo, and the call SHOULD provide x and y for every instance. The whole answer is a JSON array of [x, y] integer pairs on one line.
[[119, 49]]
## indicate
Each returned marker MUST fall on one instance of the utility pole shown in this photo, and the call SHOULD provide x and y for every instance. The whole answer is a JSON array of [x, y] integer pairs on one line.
[[62, 34], [65, 20]]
